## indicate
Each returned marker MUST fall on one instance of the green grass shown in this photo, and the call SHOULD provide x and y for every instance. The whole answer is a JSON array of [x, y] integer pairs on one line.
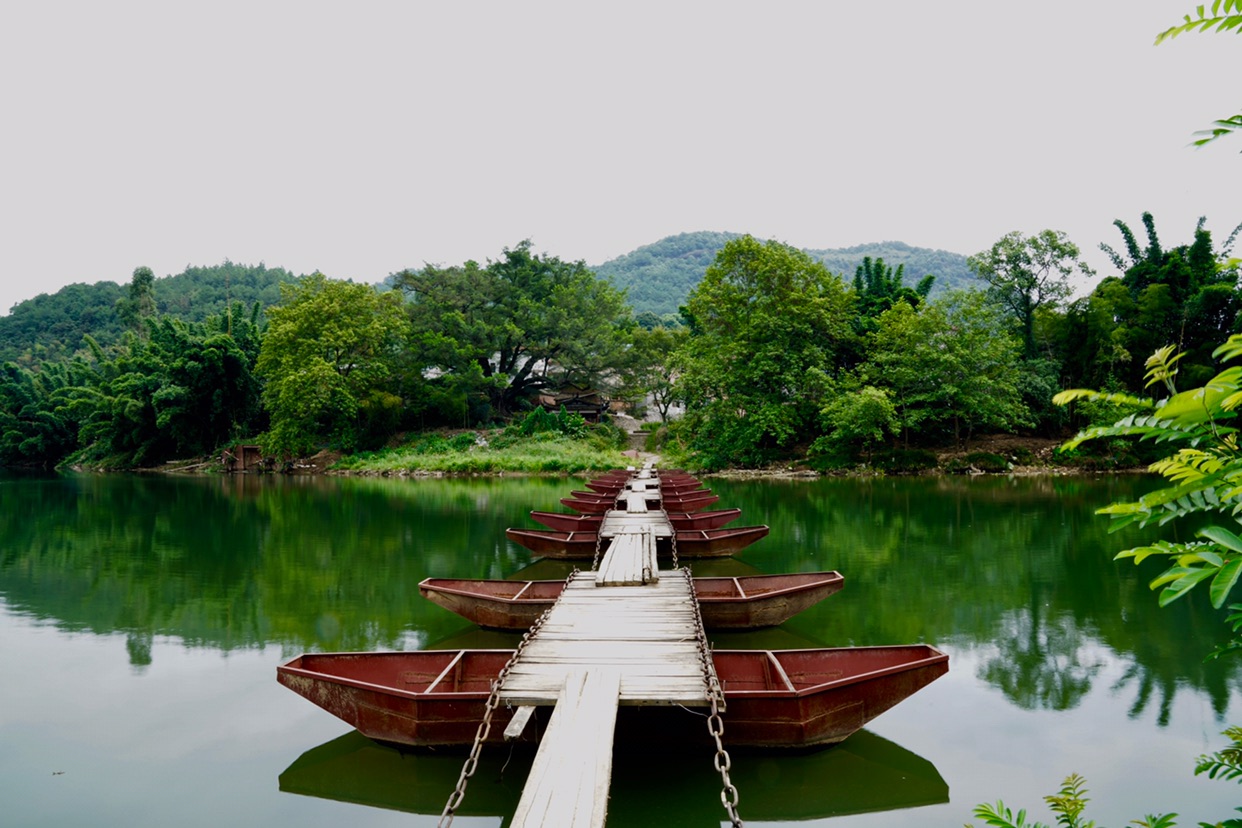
[[540, 453]]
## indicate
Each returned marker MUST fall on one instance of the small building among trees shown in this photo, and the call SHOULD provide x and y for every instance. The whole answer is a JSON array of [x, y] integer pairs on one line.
[[588, 402]]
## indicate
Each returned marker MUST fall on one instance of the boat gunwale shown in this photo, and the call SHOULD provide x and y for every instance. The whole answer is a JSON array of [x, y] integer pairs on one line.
[[936, 656], [389, 689], [740, 596]]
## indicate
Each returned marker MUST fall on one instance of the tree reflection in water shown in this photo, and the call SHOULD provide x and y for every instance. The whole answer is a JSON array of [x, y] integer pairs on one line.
[[1041, 663]]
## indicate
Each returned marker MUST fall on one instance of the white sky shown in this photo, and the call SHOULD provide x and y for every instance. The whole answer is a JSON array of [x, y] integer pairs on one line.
[[362, 138]]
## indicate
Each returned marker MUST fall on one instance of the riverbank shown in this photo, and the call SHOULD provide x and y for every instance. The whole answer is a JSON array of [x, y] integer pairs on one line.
[[561, 456]]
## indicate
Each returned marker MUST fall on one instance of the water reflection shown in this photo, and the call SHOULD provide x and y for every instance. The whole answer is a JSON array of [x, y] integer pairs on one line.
[[866, 773], [177, 597], [1019, 569], [1041, 663]]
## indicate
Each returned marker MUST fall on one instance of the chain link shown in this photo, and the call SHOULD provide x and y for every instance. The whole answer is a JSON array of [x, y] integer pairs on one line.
[[715, 722], [599, 544], [485, 726]]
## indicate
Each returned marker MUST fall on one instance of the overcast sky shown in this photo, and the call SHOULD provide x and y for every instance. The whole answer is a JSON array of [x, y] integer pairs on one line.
[[359, 139]]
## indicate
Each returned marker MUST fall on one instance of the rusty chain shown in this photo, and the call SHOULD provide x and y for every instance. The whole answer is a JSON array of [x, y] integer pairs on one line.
[[485, 726], [599, 544], [715, 723]]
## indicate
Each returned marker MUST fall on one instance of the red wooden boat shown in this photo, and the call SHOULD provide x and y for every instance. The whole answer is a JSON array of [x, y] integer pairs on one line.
[[745, 602], [781, 699], [612, 489], [662, 492], [674, 504], [691, 543], [564, 522]]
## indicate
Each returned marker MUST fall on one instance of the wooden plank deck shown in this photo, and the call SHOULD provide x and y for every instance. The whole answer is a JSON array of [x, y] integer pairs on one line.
[[569, 779], [630, 560], [647, 632], [625, 636], [617, 522]]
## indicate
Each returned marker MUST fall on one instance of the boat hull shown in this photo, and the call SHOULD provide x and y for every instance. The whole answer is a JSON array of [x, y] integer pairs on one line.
[[743, 603], [599, 506], [691, 543], [787, 699], [565, 522]]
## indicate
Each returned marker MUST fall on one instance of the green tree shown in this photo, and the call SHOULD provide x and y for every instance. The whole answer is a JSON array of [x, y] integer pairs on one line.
[[181, 390], [1183, 295], [649, 371], [35, 429], [877, 287], [864, 418], [522, 323], [950, 367], [1025, 273], [767, 324], [326, 358], [139, 303]]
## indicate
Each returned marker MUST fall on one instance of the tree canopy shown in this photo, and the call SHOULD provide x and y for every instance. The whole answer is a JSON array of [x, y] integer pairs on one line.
[[1026, 273], [520, 324], [766, 325], [327, 356]]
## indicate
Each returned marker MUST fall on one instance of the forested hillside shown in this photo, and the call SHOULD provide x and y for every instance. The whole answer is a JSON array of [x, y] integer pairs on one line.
[[51, 326], [950, 269], [658, 277]]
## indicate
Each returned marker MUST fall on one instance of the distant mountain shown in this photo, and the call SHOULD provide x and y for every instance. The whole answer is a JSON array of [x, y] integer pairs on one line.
[[51, 326], [949, 269], [658, 277]]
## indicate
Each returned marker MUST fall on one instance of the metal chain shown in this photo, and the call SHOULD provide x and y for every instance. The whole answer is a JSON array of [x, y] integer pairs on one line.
[[599, 544], [485, 726], [674, 537], [715, 723]]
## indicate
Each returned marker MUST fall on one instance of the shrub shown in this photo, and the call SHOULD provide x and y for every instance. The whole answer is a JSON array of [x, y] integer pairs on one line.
[[904, 461]]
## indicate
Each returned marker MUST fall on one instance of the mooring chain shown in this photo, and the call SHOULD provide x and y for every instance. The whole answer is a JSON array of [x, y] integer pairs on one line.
[[485, 726], [674, 537], [715, 721], [599, 544]]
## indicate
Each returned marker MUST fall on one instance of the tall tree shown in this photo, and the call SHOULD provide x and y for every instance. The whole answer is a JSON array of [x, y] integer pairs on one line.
[[878, 286], [766, 325], [951, 367], [1025, 273], [181, 390], [522, 323], [326, 357], [649, 372], [1184, 295], [139, 303]]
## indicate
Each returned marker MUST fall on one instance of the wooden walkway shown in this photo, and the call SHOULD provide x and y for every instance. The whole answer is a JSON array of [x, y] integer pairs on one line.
[[627, 634], [647, 632]]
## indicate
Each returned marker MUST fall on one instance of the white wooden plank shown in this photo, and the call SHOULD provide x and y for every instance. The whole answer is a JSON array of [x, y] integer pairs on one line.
[[518, 723], [569, 779]]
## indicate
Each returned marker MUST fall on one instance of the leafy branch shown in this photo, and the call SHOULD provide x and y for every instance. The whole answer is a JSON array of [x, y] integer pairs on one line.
[[1225, 16]]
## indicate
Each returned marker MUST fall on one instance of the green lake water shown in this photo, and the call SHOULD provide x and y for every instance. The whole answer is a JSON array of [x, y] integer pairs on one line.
[[142, 619]]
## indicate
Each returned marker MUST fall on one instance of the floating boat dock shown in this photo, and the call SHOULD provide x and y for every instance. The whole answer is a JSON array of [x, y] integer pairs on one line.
[[628, 633], [623, 639]]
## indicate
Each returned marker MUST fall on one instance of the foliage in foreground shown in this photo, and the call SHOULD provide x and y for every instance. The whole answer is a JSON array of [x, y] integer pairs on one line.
[[1068, 804], [1204, 473], [1214, 21], [1070, 801], [1205, 478]]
